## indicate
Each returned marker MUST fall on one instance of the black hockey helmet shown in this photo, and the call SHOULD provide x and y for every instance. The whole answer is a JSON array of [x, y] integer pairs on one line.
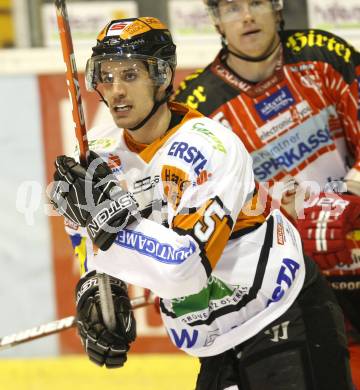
[[145, 38]]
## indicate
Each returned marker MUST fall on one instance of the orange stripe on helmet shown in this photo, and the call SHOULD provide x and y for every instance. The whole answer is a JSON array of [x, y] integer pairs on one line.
[[154, 23], [133, 29]]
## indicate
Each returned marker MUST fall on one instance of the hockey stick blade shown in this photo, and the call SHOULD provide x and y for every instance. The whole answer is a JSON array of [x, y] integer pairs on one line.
[[56, 326]]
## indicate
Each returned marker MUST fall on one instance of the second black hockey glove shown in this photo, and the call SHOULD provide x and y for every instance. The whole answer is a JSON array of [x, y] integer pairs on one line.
[[93, 198], [104, 347]]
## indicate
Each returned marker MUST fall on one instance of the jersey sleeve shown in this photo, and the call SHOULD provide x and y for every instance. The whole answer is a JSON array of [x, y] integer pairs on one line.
[[204, 91], [189, 92], [341, 77], [344, 86], [206, 179]]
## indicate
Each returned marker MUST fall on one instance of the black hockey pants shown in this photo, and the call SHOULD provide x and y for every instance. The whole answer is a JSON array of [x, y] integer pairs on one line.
[[304, 349]]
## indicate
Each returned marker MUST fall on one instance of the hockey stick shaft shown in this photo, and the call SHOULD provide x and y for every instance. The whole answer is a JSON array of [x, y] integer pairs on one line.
[[72, 78], [107, 305], [57, 326], [106, 301]]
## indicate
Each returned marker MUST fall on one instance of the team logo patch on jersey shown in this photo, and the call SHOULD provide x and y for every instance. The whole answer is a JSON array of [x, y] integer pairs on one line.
[[284, 121], [289, 151], [114, 163], [203, 177], [175, 182], [149, 246], [274, 104], [190, 154], [215, 296], [280, 232]]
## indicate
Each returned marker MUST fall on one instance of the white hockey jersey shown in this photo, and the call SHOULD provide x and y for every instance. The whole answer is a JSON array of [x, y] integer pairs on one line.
[[222, 273]]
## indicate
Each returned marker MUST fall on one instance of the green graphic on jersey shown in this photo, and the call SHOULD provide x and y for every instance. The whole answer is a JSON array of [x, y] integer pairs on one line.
[[102, 143], [217, 144], [216, 290]]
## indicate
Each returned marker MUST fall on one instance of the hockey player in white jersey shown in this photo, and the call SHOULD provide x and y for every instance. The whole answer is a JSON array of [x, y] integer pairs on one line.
[[165, 203]]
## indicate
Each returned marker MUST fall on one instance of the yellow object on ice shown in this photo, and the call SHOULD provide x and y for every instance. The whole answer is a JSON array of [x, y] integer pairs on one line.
[[141, 372]]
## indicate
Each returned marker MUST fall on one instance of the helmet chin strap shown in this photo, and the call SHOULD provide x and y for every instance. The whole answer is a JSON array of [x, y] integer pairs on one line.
[[155, 107], [102, 99], [249, 58]]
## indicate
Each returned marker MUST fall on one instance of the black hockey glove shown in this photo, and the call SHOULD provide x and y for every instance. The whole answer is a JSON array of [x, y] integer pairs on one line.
[[93, 198], [102, 345]]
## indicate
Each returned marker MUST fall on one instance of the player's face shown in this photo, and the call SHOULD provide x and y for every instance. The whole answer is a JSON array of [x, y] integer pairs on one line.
[[128, 90], [250, 26]]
